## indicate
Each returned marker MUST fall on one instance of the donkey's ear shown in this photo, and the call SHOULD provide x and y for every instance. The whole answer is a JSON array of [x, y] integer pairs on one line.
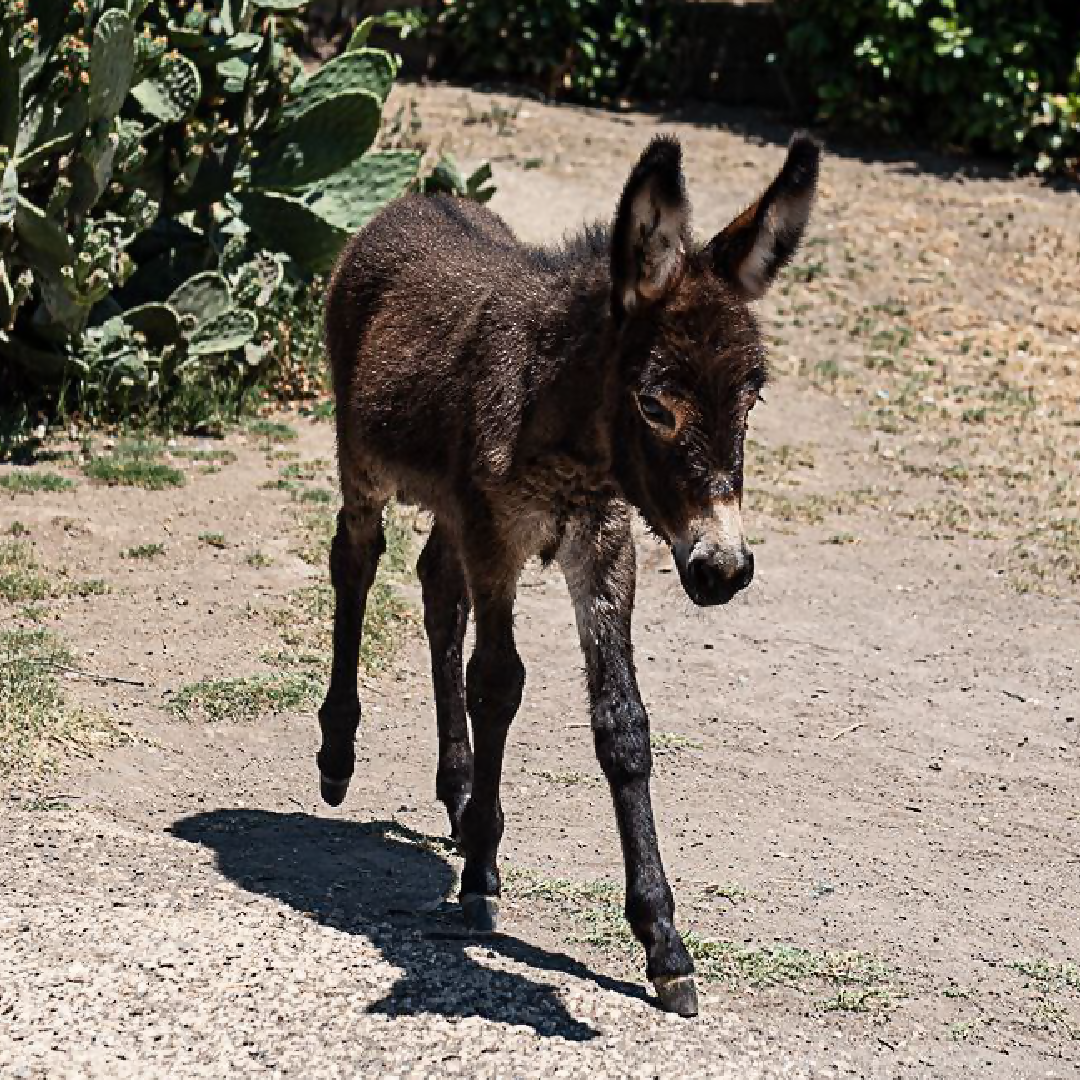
[[752, 250], [652, 228]]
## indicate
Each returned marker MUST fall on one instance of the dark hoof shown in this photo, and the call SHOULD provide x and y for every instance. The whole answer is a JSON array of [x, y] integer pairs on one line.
[[333, 791], [481, 912], [677, 994]]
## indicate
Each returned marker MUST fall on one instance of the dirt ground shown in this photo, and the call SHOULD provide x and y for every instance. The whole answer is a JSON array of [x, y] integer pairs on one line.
[[867, 767]]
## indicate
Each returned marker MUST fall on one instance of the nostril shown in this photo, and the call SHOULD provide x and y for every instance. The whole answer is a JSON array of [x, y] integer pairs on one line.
[[705, 577], [712, 579]]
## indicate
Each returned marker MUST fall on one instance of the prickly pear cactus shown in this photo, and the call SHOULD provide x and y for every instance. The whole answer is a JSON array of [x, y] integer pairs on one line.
[[170, 181]]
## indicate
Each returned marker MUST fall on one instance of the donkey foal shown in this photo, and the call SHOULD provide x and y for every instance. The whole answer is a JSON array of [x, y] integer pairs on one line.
[[529, 397]]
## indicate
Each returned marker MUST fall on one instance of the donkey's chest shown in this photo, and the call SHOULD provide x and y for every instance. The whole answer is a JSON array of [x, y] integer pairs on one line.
[[550, 490]]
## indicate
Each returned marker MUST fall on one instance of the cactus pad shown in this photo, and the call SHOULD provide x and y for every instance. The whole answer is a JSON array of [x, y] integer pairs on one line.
[[112, 63], [231, 329], [363, 69], [286, 224], [325, 138], [205, 296], [158, 324], [351, 197], [172, 92]]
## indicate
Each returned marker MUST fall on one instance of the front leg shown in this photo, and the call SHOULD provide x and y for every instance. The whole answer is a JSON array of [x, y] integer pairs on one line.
[[597, 558]]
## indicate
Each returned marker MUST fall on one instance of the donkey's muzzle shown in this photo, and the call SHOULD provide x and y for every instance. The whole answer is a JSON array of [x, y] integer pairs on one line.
[[713, 576]]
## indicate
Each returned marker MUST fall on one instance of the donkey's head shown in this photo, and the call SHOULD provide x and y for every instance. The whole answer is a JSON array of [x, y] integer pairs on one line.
[[692, 363]]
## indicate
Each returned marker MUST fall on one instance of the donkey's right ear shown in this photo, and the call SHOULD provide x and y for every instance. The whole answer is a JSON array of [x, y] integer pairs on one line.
[[651, 235]]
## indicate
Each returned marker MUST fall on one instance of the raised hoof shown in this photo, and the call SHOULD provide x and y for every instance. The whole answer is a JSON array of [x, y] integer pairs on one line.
[[481, 912], [677, 994], [333, 791]]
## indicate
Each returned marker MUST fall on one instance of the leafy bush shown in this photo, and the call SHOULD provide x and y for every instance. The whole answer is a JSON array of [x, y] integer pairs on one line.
[[983, 75], [590, 50], [171, 184]]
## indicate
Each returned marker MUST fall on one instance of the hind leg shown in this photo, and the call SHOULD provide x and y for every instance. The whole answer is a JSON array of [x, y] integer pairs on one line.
[[446, 613], [354, 558]]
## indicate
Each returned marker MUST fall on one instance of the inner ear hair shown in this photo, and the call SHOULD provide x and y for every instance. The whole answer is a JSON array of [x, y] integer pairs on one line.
[[752, 250], [651, 233]]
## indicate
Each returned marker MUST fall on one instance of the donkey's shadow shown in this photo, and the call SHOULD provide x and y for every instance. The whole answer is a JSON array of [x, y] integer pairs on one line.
[[384, 882]]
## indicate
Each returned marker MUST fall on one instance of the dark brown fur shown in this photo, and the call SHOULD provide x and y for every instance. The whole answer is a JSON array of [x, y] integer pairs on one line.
[[529, 397]]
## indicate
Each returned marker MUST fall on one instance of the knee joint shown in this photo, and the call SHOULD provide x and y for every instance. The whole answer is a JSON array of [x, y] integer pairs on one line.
[[352, 548], [493, 687], [621, 738]]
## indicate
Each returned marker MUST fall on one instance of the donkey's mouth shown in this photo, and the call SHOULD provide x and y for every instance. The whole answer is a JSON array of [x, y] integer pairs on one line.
[[710, 576]]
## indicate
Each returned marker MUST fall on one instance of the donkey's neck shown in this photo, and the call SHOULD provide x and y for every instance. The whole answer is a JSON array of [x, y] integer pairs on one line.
[[565, 440]]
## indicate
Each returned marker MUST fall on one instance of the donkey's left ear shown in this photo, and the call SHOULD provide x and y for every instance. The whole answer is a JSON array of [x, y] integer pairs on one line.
[[651, 235], [752, 250]]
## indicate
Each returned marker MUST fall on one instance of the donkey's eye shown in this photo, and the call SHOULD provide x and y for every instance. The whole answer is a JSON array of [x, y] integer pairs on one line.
[[656, 412]]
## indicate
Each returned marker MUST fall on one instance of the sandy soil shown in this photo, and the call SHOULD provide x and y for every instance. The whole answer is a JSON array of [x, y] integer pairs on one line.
[[866, 768]]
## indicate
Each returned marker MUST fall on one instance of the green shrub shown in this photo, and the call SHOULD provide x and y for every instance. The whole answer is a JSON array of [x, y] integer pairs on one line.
[[982, 75], [590, 50], [171, 186]]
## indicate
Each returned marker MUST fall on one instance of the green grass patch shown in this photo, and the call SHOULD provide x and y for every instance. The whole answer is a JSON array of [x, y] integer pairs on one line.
[[1049, 976], [668, 742], [570, 778], [214, 455], [259, 560], [144, 551], [27, 482], [305, 470], [37, 724], [296, 477], [594, 913], [90, 587], [593, 909], [272, 431], [861, 999], [307, 623], [732, 893], [21, 578], [134, 464], [784, 965], [245, 699], [966, 1030]]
